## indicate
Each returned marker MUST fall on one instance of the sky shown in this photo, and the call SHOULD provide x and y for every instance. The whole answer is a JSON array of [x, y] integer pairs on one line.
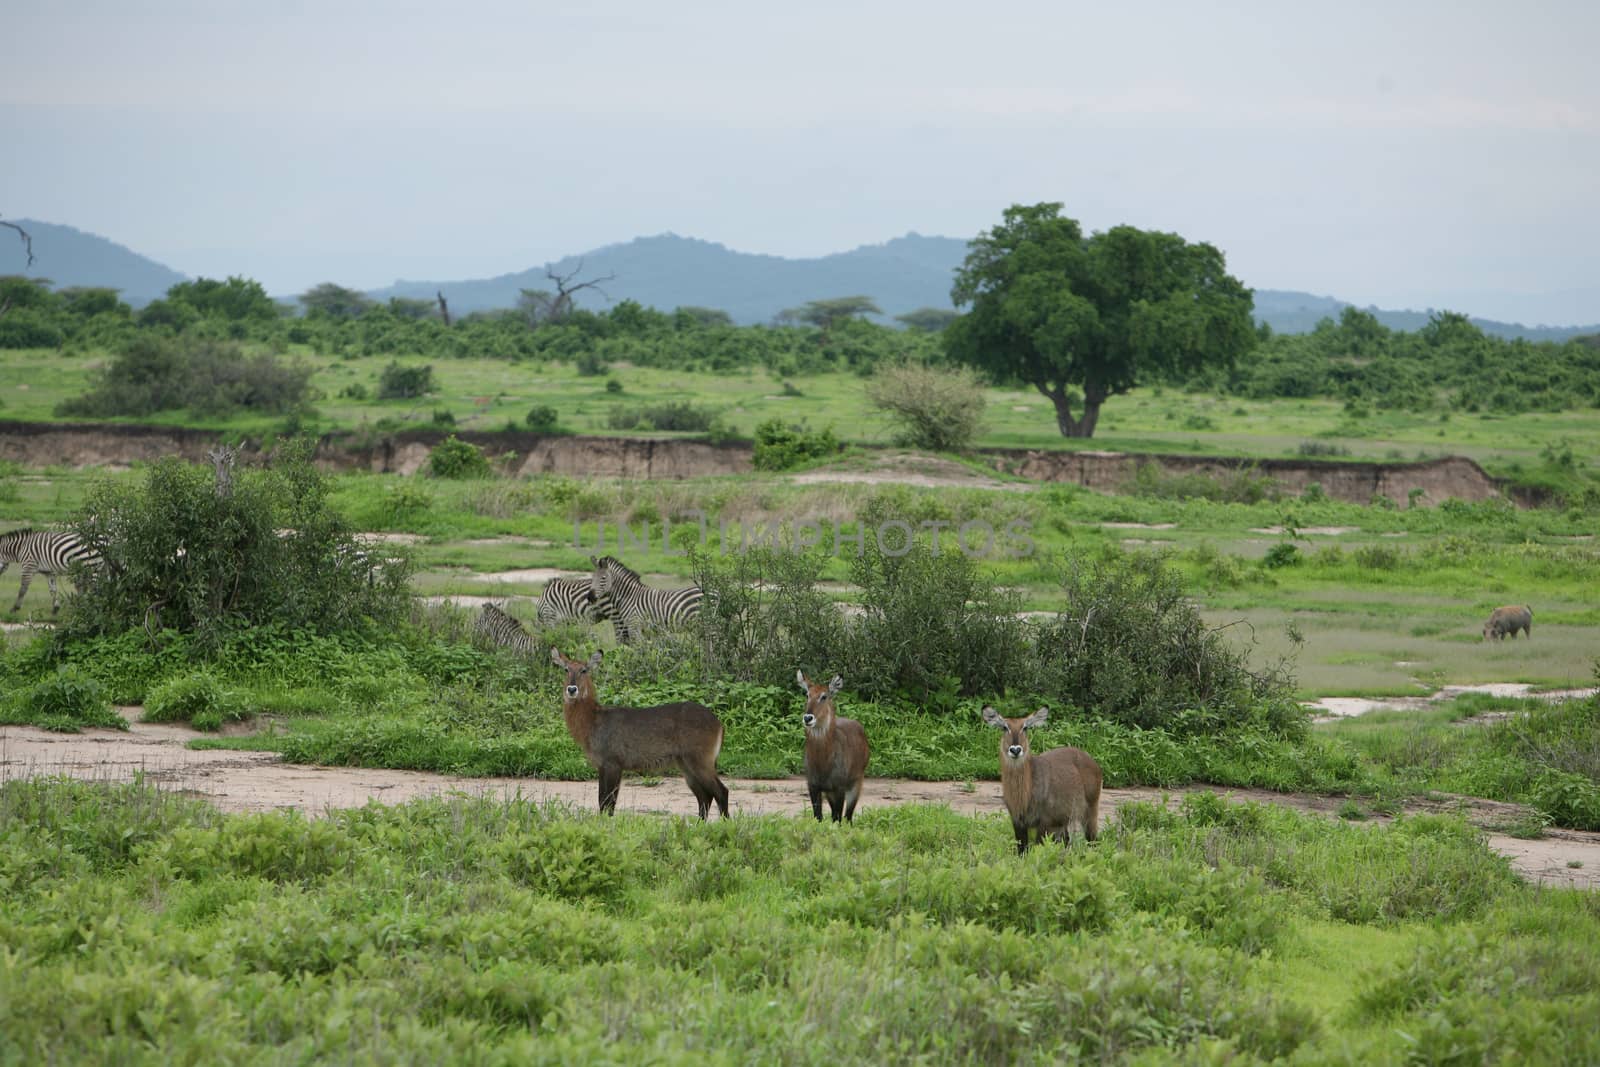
[[1424, 154]]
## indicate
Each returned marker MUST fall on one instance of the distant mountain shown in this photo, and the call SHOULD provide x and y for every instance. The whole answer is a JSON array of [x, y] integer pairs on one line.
[[70, 257], [1287, 311], [910, 272], [668, 271]]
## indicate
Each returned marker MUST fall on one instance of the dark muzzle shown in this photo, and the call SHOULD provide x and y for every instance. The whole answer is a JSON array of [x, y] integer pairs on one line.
[[809, 719], [1015, 751], [572, 690]]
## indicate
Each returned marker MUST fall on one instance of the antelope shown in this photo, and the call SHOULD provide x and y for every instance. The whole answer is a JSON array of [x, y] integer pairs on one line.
[[1052, 792], [836, 750], [686, 735]]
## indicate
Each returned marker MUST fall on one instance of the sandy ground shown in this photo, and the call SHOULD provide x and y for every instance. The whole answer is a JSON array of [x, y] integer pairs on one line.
[[257, 781]]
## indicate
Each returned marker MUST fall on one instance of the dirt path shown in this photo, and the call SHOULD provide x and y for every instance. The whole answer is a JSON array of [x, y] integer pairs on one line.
[[257, 781]]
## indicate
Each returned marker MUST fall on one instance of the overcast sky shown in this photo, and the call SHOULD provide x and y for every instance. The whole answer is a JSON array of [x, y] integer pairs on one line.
[[1436, 153]]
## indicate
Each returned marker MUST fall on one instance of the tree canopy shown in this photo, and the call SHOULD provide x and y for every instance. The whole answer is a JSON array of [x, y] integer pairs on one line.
[[1064, 312]]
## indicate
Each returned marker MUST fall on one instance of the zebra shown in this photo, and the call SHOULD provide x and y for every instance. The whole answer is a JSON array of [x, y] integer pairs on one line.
[[631, 605], [498, 628], [49, 552], [568, 600]]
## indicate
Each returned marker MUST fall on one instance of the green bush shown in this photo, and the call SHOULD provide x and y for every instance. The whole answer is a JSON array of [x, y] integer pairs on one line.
[[184, 553], [66, 701], [198, 699], [209, 377], [781, 447], [930, 407], [677, 415], [455, 458], [542, 418], [1131, 646], [399, 382]]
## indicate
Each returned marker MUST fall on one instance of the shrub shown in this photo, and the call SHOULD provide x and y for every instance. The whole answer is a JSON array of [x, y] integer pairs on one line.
[[1282, 554], [209, 377], [66, 701], [940, 410], [542, 418], [613, 385], [1130, 645], [182, 553], [780, 447], [1321, 449], [455, 458], [590, 365], [677, 415], [399, 382], [198, 699]]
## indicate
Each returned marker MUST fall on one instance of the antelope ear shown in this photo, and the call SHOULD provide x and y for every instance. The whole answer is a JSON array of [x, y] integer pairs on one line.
[[800, 680], [1038, 718], [557, 658], [836, 685], [594, 660], [993, 718]]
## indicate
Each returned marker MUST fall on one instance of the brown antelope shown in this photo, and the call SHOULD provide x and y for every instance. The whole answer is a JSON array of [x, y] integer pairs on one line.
[[836, 750], [1052, 792], [685, 735]]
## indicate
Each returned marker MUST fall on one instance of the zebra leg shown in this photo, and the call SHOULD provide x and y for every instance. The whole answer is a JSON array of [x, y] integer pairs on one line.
[[55, 597], [27, 576]]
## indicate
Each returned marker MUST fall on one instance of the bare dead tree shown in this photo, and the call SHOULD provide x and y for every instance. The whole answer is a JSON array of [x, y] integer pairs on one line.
[[561, 306], [27, 238], [444, 308], [222, 458]]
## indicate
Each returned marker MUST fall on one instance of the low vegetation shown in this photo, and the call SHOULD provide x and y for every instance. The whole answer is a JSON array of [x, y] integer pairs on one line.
[[144, 927]]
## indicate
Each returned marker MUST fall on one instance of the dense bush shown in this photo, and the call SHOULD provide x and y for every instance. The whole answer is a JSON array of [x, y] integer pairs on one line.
[[781, 447], [208, 377], [542, 418], [1129, 645], [455, 458], [929, 407], [399, 382], [184, 552], [680, 415], [66, 700]]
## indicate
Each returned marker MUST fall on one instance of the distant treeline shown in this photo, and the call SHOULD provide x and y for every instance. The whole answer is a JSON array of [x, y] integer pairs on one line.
[[1449, 362]]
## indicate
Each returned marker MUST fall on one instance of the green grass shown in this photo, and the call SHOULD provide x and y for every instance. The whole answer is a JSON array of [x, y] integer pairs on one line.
[[142, 927], [486, 394]]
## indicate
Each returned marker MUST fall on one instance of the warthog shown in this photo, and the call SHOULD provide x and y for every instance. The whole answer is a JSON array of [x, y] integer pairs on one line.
[[1508, 620]]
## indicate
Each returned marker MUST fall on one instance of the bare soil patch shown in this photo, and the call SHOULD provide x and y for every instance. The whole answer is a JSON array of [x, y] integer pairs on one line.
[[258, 781], [1328, 709]]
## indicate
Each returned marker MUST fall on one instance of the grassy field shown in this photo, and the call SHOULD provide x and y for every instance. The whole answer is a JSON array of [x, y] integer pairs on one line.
[[143, 927], [489, 394]]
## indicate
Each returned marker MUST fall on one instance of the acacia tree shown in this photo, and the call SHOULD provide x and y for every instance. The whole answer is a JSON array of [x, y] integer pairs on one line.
[[1064, 312]]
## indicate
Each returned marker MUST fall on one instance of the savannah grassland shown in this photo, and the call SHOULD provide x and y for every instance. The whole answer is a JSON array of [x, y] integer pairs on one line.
[[142, 927]]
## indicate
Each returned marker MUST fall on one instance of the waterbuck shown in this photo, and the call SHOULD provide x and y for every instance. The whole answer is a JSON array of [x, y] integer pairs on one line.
[[836, 750], [685, 735], [1053, 792], [1508, 620]]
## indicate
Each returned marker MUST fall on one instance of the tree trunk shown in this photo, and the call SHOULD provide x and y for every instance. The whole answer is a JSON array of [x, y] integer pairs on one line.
[[1075, 427]]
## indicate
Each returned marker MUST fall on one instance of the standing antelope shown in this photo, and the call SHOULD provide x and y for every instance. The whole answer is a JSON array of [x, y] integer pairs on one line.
[[686, 735], [836, 750], [1051, 792]]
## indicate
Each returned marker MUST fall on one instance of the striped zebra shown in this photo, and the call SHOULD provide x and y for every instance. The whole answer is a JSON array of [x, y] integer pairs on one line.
[[568, 600], [49, 552], [631, 605], [500, 629]]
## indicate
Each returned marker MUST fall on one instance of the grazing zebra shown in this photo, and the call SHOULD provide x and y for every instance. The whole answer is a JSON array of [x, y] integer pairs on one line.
[[49, 552], [631, 605], [501, 629], [568, 600]]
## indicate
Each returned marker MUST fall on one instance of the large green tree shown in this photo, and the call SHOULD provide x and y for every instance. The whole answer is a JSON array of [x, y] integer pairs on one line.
[[1064, 312]]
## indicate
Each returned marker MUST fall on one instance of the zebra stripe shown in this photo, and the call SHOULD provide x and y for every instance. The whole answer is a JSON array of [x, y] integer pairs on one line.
[[631, 605], [498, 628], [49, 552], [568, 600]]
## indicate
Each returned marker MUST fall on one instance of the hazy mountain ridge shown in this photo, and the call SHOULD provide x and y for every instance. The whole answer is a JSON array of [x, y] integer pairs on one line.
[[70, 257], [668, 271]]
